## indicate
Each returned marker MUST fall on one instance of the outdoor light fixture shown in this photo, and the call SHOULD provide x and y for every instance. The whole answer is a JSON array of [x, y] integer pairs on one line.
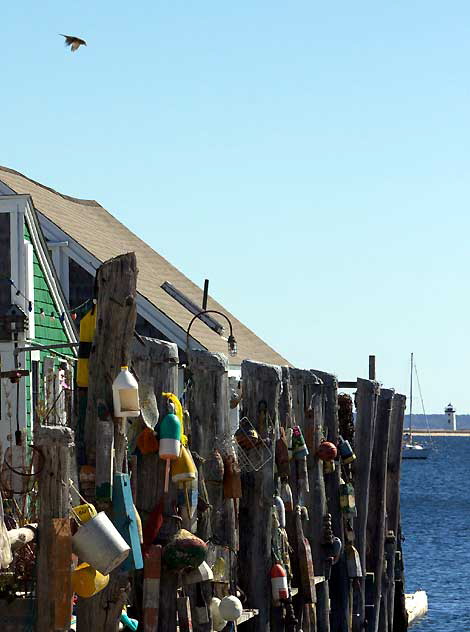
[[232, 343]]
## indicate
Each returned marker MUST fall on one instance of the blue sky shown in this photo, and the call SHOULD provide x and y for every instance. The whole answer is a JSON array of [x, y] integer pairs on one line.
[[311, 160]]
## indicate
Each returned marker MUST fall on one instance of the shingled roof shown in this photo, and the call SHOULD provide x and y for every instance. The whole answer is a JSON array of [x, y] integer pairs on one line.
[[101, 234]]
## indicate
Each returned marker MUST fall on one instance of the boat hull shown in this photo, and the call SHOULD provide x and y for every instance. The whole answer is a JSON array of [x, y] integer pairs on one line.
[[414, 452]]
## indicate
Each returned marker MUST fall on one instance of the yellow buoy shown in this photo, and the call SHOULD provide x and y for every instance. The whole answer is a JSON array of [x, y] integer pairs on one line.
[[87, 581]]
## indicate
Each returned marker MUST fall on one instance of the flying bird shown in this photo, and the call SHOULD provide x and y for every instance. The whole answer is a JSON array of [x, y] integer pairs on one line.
[[73, 42]]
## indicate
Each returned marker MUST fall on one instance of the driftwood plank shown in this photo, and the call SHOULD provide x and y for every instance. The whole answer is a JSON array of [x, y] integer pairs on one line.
[[261, 383]]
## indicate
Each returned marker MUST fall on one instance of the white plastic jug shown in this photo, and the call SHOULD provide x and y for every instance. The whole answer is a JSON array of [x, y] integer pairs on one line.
[[126, 394]]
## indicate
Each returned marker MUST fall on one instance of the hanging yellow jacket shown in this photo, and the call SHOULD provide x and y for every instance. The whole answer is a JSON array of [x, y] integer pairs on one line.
[[87, 332]]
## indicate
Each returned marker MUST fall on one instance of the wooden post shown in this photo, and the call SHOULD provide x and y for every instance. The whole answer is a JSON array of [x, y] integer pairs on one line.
[[339, 581], [210, 431], [376, 512], [372, 367], [366, 406], [156, 365], [261, 383], [111, 348], [393, 497], [55, 547], [318, 505]]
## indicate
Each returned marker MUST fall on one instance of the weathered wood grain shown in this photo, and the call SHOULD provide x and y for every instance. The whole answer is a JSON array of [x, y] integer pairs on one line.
[[339, 581], [111, 348], [211, 439], [376, 513], [366, 407], [261, 382], [55, 444], [393, 498]]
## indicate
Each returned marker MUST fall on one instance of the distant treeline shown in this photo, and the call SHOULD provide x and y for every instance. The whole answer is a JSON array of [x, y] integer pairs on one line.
[[437, 422]]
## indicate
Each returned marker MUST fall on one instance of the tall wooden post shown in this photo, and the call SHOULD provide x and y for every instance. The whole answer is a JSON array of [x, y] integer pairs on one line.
[[393, 499], [339, 581], [54, 590], [211, 434], [156, 365], [376, 512], [111, 348], [366, 406], [319, 506], [261, 383]]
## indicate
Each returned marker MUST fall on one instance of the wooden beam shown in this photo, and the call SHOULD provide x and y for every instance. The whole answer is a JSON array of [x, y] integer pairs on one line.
[[372, 367]]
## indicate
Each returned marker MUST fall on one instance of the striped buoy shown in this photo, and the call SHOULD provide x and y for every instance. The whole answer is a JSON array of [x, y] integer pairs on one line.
[[279, 583], [151, 597]]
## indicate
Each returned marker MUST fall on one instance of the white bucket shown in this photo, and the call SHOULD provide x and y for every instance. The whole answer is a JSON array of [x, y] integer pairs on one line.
[[100, 544]]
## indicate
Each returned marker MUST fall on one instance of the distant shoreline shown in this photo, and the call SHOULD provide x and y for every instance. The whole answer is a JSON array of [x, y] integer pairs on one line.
[[420, 432]]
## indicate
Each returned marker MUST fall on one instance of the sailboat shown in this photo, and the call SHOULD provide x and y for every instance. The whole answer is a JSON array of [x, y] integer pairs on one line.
[[410, 449]]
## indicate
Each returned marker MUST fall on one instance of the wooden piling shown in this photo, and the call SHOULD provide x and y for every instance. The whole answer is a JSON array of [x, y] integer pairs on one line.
[[366, 407], [375, 531], [392, 501], [111, 348], [54, 556], [339, 581], [261, 383], [211, 439], [156, 366]]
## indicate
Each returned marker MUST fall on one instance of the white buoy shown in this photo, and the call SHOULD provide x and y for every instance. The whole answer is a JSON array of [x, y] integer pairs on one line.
[[126, 394], [230, 608]]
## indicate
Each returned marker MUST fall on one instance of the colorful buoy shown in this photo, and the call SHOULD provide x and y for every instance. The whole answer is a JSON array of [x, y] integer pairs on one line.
[[279, 587], [327, 451], [170, 442], [299, 447]]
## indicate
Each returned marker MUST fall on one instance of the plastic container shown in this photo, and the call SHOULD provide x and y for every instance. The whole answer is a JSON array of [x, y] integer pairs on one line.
[[100, 544], [87, 581], [126, 394]]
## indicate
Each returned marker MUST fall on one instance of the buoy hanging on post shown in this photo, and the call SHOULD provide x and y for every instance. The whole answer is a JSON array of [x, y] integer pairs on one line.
[[353, 562], [170, 442], [279, 587], [126, 394], [327, 451], [299, 447], [347, 499], [286, 495], [280, 510], [151, 596], [345, 451]]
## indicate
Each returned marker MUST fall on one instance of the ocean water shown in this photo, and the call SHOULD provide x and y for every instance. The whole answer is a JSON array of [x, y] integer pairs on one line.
[[435, 510]]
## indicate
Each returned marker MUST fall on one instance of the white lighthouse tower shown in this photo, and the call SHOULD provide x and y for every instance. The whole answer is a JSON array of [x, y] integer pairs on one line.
[[451, 418]]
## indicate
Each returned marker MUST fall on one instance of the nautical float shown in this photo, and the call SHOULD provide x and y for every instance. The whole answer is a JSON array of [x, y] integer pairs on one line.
[[279, 587]]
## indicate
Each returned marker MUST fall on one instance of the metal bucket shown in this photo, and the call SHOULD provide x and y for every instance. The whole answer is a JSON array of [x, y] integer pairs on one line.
[[100, 544]]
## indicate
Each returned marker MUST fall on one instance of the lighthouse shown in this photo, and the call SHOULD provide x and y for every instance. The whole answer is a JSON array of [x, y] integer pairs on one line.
[[451, 418]]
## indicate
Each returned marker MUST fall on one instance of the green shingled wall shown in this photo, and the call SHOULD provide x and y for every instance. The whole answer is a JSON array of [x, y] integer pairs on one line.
[[47, 331]]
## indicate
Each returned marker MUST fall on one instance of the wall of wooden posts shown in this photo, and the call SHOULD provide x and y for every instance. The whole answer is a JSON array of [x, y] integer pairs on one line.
[[340, 542]]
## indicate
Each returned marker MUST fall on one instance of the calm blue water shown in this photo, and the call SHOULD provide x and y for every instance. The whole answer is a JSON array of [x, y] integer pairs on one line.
[[435, 506]]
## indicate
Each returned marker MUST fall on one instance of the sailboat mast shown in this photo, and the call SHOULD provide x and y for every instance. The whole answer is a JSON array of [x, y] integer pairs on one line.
[[411, 391]]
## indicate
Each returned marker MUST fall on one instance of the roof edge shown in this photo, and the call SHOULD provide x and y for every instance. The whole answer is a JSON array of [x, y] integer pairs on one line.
[[43, 186]]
